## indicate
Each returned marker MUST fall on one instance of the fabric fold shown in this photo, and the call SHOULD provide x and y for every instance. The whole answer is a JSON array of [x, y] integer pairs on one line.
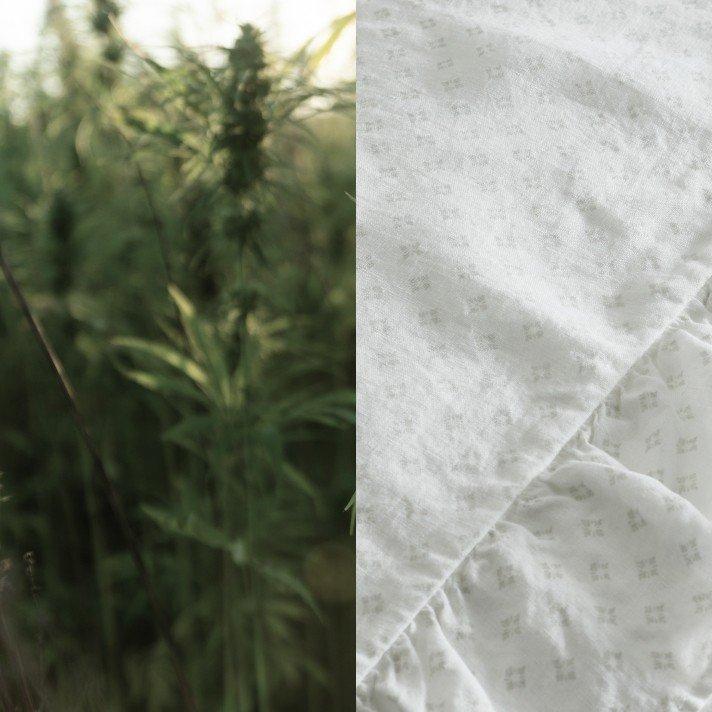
[[598, 578], [529, 222]]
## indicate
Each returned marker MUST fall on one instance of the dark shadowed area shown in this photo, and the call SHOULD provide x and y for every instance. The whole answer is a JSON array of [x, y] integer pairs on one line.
[[184, 231]]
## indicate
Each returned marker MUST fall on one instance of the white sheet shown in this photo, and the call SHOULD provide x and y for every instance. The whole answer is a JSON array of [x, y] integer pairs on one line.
[[594, 590], [534, 210]]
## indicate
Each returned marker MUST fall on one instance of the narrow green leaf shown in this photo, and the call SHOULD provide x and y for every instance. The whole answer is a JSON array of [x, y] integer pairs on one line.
[[162, 384], [300, 481], [352, 506], [170, 356], [336, 28], [291, 583]]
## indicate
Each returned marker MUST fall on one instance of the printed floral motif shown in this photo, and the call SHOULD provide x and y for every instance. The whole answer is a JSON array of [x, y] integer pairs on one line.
[[533, 224]]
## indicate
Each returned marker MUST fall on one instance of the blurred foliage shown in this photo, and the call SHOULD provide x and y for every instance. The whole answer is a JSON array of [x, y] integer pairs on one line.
[[184, 231]]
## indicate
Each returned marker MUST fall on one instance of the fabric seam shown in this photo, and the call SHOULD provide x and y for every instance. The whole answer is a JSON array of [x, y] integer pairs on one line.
[[658, 336]]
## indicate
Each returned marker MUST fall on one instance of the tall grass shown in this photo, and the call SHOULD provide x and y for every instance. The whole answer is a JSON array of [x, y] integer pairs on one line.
[[183, 230]]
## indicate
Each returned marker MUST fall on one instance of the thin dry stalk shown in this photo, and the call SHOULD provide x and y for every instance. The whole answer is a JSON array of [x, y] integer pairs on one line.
[[99, 470]]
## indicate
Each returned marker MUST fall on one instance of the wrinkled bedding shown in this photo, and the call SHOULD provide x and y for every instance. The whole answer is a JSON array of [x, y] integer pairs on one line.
[[534, 355], [594, 590]]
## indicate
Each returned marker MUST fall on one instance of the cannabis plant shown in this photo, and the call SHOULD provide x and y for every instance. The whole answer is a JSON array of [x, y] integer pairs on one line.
[[184, 231]]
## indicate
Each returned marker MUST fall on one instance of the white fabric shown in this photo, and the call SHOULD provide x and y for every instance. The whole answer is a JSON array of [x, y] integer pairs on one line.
[[594, 590], [534, 211]]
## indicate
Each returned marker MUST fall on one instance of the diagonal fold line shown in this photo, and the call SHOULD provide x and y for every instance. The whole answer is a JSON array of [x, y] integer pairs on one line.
[[452, 571]]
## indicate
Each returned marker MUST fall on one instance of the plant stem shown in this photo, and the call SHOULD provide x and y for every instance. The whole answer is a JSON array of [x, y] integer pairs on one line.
[[99, 470], [157, 222]]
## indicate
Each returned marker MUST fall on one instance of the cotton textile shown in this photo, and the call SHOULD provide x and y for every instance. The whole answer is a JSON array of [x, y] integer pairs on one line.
[[534, 215], [594, 590]]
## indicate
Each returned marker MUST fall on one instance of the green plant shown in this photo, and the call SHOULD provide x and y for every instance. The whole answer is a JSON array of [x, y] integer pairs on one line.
[[184, 232], [256, 506]]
